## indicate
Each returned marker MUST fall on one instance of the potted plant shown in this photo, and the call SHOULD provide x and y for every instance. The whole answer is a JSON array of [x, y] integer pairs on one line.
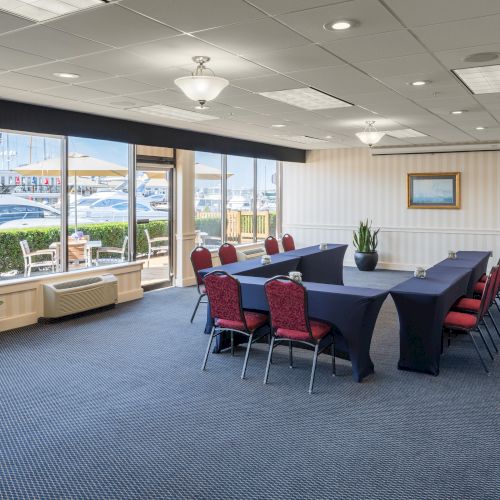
[[365, 239]]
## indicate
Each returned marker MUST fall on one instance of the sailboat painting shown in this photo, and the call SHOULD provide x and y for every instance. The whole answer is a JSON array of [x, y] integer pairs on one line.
[[434, 190]]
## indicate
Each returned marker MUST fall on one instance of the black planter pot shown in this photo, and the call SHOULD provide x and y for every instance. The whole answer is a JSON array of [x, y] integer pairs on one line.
[[366, 261]]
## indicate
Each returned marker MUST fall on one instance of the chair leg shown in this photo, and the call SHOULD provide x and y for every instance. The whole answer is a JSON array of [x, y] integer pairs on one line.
[[271, 346], [478, 352], [208, 348], [290, 354], [313, 371], [196, 307], [491, 338], [484, 342], [246, 356], [334, 369], [494, 322], [232, 343]]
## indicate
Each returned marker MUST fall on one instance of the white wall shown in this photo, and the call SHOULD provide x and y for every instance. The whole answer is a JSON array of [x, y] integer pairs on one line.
[[324, 199]]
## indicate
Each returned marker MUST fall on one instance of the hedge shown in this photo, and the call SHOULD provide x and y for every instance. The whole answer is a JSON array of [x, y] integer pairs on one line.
[[110, 233]]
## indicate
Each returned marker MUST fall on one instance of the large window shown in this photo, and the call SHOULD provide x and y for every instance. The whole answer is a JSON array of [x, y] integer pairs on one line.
[[30, 203], [246, 187], [98, 202], [208, 199]]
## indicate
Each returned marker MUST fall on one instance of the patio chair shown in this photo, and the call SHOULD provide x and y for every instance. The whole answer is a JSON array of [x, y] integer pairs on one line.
[[156, 245], [28, 256], [290, 322], [118, 251], [224, 297]]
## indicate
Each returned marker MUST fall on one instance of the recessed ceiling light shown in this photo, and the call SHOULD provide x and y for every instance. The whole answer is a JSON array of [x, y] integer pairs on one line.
[[306, 98], [404, 133], [479, 128], [419, 83], [457, 112], [328, 136], [175, 113], [67, 75], [480, 80], [42, 10], [278, 125], [340, 25]]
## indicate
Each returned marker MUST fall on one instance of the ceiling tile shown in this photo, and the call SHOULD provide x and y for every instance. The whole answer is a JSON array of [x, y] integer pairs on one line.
[[160, 96], [119, 86], [424, 63], [75, 92], [382, 45], [116, 62], [267, 83], [297, 58], [423, 12], [161, 78], [121, 102], [24, 82], [338, 80], [47, 71], [113, 25], [371, 16], [455, 59], [283, 6], [177, 51], [9, 22], [250, 39], [50, 43], [194, 15], [15, 59], [456, 35]]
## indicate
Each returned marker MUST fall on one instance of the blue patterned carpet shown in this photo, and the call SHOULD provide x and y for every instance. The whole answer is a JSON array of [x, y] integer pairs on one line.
[[114, 406]]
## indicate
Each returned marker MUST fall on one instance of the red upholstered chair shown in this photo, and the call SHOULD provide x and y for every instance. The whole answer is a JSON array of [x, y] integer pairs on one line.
[[224, 297], [201, 258], [472, 322], [473, 305], [290, 322], [271, 245], [227, 254], [287, 242]]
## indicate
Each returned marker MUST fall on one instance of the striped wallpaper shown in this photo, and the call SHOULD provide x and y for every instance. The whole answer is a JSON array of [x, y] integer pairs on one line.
[[325, 198]]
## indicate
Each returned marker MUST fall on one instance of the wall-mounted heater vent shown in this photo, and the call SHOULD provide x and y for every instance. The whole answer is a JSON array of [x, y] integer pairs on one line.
[[253, 253], [75, 296]]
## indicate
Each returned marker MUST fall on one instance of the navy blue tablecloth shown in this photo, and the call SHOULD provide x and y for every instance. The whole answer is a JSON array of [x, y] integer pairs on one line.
[[352, 311], [422, 305]]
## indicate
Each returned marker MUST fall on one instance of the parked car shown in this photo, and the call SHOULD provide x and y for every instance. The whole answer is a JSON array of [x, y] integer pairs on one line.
[[15, 208]]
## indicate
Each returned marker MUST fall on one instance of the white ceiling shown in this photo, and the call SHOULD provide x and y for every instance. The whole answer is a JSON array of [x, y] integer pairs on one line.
[[128, 54]]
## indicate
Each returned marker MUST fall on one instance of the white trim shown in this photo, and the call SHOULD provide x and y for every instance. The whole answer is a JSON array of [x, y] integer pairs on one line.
[[401, 229]]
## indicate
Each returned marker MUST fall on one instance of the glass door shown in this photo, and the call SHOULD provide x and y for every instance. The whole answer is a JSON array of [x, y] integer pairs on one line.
[[154, 190]]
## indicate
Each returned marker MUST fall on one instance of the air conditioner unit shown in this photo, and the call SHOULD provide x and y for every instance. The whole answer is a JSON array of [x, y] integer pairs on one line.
[[253, 253], [435, 148], [76, 296]]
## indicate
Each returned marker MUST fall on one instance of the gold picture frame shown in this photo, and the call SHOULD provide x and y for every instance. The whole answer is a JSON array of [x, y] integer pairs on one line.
[[433, 190]]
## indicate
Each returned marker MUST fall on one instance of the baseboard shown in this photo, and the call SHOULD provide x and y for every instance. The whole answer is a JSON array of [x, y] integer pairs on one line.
[[390, 266], [130, 295]]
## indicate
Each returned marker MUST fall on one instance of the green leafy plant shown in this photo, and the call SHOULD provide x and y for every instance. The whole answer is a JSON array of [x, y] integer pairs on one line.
[[365, 239]]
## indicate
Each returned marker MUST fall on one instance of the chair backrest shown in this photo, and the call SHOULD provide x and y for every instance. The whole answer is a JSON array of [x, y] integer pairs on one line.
[[224, 296], [146, 232], [287, 301], [287, 242], [495, 284], [227, 254], [271, 245], [201, 258], [25, 247], [487, 293]]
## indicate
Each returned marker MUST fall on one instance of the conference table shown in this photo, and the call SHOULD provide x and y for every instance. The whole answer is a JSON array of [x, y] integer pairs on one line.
[[352, 311], [422, 305]]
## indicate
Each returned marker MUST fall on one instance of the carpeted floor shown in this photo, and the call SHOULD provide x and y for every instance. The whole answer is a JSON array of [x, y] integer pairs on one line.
[[114, 406]]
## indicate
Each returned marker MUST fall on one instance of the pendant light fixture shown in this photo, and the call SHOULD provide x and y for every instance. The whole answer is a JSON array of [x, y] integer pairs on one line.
[[370, 134], [200, 86]]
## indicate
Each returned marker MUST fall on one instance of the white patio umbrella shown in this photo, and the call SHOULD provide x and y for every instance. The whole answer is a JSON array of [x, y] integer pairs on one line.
[[202, 172], [78, 165]]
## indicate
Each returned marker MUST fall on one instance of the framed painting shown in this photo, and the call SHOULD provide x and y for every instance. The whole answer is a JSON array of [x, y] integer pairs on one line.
[[434, 190]]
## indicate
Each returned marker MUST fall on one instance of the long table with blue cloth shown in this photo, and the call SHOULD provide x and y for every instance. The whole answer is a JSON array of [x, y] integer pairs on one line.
[[422, 305], [352, 311]]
